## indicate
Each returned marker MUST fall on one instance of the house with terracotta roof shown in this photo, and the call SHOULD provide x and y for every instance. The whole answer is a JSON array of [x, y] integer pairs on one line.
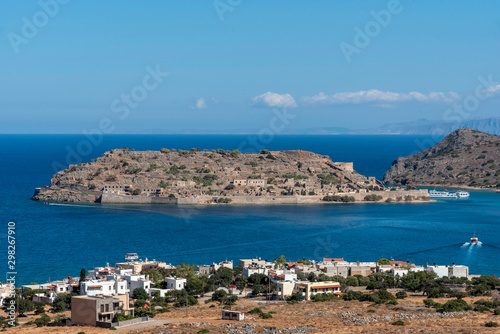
[[280, 275]]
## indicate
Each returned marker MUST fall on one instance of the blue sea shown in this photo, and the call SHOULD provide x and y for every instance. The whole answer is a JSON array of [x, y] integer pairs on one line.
[[58, 240]]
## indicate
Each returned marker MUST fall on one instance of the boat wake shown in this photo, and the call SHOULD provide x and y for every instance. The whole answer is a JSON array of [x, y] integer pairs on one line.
[[472, 244], [75, 205]]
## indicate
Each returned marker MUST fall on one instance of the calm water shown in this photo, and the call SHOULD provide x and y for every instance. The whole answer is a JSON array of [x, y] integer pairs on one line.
[[58, 240]]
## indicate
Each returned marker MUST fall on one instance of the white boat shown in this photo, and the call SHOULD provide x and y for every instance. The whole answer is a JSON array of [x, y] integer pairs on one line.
[[463, 194], [442, 194], [474, 239], [131, 256]]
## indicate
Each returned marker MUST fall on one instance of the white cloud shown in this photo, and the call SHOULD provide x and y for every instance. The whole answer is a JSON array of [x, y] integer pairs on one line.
[[273, 100], [492, 90], [200, 103], [378, 96]]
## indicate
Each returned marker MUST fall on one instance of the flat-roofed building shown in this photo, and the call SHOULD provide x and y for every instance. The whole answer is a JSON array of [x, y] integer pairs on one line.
[[309, 289], [92, 310]]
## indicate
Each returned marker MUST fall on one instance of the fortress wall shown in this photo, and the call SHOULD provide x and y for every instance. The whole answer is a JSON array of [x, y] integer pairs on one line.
[[108, 198], [388, 194]]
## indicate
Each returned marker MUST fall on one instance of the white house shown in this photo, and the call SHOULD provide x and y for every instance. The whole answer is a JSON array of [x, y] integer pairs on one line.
[[249, 271], [175, 283], [163, 292], [440, 271], [98, 287], [137, 281], [280, 275]]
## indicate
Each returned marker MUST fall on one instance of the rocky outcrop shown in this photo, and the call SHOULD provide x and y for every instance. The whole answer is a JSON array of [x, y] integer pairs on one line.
[[464, 158], [213, 176]]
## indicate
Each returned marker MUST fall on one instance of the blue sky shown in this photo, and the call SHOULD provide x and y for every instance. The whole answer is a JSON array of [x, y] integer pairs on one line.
[[235, 64]]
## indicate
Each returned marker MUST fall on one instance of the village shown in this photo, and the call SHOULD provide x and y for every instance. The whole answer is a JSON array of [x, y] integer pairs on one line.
[[138, 291]]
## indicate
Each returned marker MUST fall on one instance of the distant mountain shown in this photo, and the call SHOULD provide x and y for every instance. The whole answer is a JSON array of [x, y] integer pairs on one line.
[[419, 127], [465, 157]]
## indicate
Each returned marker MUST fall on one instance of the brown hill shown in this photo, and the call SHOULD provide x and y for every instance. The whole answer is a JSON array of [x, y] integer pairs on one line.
[[465, 157]]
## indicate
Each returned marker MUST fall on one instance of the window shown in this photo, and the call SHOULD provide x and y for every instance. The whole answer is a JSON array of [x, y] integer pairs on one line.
[[109, 288], [107, 307], [102, 308]]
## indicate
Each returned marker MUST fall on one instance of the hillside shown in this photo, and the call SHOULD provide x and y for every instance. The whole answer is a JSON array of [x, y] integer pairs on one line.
[[216, 176], [465, 157]]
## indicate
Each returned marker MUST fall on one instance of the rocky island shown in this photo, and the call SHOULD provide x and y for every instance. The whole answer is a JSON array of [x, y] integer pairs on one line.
[[465, 158], [169, 176]]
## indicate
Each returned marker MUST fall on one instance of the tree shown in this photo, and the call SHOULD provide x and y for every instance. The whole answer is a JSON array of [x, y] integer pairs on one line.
[[63, 301], [140, 293], [219, 295], [241, 282], [42, 321], [83, 275], [59, 306], [257, 289], [352, 281], [154, 275], [223, 276], [25, 305], [39, 308], [195, 286], [257, 279], [383, 262], [281, 261]]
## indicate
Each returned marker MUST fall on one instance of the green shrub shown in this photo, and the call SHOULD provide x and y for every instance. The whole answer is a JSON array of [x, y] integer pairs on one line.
[[324, 297], [481, 308], [42, 321], [255, 310], [398, 323], [344, 199], [261, 314], [491, 324], [455, 305], [401, 295], [496, 312], [372, 198]]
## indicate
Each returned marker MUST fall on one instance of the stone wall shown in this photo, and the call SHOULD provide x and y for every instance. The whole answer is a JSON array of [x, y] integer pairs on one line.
[[129, 322], [108, 198]]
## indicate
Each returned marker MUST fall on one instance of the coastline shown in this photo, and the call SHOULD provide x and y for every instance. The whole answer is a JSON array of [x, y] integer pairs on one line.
[[387, 196], [426, 185]]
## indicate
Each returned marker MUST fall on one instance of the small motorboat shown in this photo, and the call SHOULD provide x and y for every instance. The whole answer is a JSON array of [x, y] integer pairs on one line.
[[474, 239]]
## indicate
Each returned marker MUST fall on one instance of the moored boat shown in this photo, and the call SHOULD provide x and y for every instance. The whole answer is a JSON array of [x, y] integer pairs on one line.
[[131, 256], [442, 194]]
